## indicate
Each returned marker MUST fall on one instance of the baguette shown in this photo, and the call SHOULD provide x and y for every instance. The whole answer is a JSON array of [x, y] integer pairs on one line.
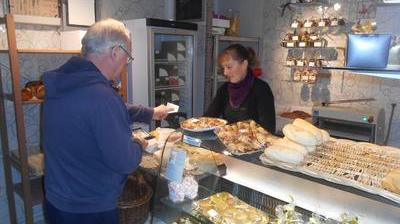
[[309, 127], [291, 144], [284, 154], [325, 135], [299, 135]]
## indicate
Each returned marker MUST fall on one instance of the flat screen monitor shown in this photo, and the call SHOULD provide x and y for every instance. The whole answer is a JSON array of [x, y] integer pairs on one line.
[[368, 50]]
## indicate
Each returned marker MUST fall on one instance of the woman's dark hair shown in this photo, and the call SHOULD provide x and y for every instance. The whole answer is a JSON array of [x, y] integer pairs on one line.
[[240, 53]]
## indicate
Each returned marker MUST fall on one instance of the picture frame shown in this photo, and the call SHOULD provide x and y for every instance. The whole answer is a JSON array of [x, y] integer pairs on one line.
[[81, 12]]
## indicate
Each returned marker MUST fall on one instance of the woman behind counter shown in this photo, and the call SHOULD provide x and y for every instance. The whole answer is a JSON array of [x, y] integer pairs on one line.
[[243, 96]]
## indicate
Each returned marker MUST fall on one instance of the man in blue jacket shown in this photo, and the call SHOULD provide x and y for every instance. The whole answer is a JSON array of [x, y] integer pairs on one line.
[[87, 138]]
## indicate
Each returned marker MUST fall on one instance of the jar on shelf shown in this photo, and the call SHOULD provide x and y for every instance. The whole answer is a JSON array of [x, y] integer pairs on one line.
[[296, 24], [290, 61], [320, 42], [308, 23], [297, 75], [234, 23]]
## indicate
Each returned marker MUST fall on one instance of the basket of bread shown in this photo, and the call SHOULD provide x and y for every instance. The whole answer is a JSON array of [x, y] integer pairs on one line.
[[244, 137]]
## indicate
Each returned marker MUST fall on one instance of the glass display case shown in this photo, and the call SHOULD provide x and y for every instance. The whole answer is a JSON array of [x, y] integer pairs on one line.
[[269, 189], [164, 66]]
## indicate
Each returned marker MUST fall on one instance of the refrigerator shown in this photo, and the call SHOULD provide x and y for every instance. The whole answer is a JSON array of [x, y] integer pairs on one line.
[[164, 66]]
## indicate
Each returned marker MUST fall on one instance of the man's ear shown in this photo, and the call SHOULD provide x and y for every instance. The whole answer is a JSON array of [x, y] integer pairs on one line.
[[114, 54]]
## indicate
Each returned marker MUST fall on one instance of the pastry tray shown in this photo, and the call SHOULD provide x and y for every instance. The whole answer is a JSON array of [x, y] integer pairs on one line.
[[331, 178]]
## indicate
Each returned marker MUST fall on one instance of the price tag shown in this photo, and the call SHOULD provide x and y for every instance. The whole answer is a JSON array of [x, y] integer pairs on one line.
[[212, 213], [191, 141], [318, 44], [174, 107], [176, 165]]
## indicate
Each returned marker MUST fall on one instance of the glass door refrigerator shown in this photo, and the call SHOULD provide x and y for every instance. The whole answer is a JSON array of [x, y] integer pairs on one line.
[[163, 69]]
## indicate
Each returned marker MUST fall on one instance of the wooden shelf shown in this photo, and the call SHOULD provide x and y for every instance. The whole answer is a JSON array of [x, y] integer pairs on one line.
[[15, 162], [237, 39], [382, 73], [36, 190], [43, 51], [34, 101]]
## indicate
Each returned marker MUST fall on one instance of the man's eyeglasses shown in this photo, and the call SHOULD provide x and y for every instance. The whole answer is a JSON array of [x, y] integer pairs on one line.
[[130, 58]]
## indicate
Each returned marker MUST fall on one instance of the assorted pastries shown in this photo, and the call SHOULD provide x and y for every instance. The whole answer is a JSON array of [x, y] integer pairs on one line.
[[224, 208], [202, 123], [244, 137]]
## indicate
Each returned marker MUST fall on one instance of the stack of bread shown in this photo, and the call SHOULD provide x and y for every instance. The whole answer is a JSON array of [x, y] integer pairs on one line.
[[301, 137], [33, 90]]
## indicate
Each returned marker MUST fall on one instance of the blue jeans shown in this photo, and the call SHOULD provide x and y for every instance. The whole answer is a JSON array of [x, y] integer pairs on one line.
[[56, 216]]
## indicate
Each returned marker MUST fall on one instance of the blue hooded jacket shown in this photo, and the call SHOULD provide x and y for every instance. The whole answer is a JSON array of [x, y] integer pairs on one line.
[[87, 139]]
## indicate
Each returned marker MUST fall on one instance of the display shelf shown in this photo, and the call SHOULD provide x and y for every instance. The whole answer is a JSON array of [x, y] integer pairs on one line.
[[33, 171], [30, 186], [9, 97], [238, 39], [382, 73], [43, 51], [314, 3], [158, 88], [36, 187], [166, 61]]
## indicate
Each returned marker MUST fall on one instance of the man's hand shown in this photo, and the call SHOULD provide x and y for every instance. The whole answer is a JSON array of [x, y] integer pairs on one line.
[[161, 112], [143, 142]]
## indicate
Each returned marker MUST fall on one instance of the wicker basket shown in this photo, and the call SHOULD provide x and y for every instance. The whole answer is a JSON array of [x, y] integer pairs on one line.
[[134, 202]]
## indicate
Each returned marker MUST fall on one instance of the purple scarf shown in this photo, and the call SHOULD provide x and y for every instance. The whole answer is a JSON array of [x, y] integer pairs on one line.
[[238, 91]]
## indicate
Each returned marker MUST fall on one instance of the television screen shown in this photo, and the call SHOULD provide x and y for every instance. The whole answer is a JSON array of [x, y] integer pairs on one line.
[[189, 9]]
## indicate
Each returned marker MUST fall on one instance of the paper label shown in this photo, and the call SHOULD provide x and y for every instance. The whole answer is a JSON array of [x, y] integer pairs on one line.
[[191, 141], [174, 107], [317, 44], [176, 165], [290, 44]]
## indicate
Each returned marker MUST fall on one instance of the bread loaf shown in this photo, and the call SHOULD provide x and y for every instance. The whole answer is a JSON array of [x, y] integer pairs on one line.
[[325, 135], [26, 94], [40, 92], [391, 181], [284, 154], [309, 127], [299, 135], [290, 144]]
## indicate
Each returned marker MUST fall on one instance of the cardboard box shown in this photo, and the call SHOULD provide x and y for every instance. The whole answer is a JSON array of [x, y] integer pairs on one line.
[[224, 23]]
